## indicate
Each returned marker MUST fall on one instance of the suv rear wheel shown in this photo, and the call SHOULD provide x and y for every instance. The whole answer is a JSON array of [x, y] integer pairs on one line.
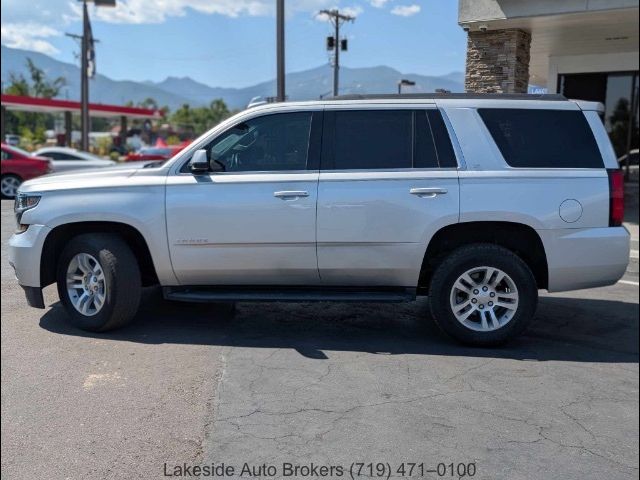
[[483, 295], [99, 282]]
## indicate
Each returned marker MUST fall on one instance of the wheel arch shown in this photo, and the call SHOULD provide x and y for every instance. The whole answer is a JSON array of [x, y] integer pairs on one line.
[[519, 238], [60, 235]]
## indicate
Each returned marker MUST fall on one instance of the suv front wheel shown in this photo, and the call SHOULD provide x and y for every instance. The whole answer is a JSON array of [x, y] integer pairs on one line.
[[99, 282], [483, 295]]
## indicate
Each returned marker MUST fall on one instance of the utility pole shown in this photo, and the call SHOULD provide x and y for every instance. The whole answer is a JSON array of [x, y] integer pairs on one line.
[[280, 95], [87, 66], [85, 41], [84, 79], [337, 19]]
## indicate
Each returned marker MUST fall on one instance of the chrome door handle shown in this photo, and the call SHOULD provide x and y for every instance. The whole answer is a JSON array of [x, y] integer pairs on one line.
[[427, 192], [289, 194]]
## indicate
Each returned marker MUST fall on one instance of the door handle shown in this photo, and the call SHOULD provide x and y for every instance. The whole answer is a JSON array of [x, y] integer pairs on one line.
[[427, 192], [289, 194]]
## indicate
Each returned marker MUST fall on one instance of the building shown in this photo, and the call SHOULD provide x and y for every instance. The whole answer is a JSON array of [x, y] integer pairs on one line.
[[585, 49]]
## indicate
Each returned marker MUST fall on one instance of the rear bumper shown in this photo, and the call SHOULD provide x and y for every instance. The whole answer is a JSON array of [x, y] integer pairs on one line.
[[585, 258]]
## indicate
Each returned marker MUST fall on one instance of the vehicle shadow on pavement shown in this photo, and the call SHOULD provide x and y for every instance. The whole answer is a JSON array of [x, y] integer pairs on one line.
[[565, 329]]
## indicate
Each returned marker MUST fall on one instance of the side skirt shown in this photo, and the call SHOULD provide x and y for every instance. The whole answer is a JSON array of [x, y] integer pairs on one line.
[[287, 294]]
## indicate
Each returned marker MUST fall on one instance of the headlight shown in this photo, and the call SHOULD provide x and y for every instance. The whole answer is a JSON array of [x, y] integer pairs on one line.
[[24, 202]]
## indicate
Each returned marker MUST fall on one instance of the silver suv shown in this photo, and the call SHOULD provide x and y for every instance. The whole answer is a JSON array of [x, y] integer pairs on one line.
[[476, 201]]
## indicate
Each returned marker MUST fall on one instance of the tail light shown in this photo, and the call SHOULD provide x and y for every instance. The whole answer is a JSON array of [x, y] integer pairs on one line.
[[616, 197]]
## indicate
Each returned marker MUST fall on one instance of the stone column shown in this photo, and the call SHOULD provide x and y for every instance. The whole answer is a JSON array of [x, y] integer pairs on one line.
[[498, 61]]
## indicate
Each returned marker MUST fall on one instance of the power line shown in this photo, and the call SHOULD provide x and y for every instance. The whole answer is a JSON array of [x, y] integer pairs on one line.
[[337, 19]]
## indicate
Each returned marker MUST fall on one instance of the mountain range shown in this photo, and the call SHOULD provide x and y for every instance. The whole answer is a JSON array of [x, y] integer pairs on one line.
[[175, 91]]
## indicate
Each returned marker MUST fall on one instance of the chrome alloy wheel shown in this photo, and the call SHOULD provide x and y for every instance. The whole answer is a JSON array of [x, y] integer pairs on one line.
[[86, 285], [484, 299], [9, 186]]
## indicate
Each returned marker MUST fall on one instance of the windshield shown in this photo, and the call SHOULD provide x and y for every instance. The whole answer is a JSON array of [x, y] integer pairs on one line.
[[155, 151], [235, 137], [18, 150]]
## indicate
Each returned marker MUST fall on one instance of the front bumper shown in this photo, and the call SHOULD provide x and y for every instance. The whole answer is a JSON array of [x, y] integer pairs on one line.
[[585, 257], [25, 252]]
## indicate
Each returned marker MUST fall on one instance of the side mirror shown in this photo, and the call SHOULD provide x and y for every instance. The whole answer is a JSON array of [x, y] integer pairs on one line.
[[199, 162]]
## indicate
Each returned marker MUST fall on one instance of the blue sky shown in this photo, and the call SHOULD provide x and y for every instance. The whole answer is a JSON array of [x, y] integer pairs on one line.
[[232, 42]]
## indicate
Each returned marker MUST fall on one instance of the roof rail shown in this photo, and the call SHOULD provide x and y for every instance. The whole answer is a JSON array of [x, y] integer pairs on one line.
[[455, 96]]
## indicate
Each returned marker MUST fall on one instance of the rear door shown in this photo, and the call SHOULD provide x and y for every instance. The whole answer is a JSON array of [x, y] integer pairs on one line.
[[388, 182]]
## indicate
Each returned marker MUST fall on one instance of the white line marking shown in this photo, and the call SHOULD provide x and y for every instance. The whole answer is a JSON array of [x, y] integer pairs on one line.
[[633, 254], [629, 282]]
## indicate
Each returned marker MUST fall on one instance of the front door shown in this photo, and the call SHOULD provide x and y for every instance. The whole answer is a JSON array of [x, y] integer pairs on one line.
[[254, 222]]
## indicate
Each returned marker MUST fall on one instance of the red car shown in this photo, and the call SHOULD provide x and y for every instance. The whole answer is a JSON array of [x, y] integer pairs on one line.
[[17, 166], [154, 153]]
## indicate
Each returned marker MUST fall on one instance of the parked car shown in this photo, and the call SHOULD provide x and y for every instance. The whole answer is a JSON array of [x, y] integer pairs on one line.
[[154, 153], [12, 139], [633, 158], [18, 166], [64, 159], [633, 164], [476, 201]]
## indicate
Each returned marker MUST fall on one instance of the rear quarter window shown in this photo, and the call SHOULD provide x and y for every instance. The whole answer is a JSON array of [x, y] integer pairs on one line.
[[542, 138]]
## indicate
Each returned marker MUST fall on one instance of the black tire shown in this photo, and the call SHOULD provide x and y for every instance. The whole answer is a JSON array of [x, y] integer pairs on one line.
[[474, 256], [13, 177], [121, 277]]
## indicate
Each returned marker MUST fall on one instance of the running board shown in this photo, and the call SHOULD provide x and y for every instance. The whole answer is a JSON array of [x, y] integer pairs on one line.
[[283, 294]]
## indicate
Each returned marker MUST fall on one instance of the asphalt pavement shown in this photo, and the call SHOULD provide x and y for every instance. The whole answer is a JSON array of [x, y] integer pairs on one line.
[[312, 385]]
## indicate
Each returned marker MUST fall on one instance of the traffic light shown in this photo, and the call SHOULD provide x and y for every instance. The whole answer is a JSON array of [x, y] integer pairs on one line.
[[343, 44], [331, 43]]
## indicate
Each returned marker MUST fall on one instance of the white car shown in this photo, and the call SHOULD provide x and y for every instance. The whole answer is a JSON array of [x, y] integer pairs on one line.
[[476, 201], [65, 159]]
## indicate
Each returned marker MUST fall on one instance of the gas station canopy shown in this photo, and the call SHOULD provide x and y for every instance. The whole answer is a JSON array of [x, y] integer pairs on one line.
[[52, 105]]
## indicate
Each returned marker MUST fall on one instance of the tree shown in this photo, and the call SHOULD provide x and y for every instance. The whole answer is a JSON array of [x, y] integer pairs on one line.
[[32, 126], [40, 85], [194, 121], [149, 103], [619, 124]]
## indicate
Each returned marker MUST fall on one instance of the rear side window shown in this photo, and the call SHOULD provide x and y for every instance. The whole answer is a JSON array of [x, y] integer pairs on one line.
[[543, 138], [386, 139], [366, 139]]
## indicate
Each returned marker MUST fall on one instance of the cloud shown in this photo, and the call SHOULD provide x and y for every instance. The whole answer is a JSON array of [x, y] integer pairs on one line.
[[27, 24], [405, 10], [378, 3], [157, 11], [29, 36]]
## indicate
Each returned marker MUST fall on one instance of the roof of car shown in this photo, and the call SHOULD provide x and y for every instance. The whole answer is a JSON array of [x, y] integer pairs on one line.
[[450, 96], [60, 149], [487, 100]]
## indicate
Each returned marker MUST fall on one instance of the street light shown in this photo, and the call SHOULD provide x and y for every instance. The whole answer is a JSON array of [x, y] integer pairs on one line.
[[406, 83], [87, 66]]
